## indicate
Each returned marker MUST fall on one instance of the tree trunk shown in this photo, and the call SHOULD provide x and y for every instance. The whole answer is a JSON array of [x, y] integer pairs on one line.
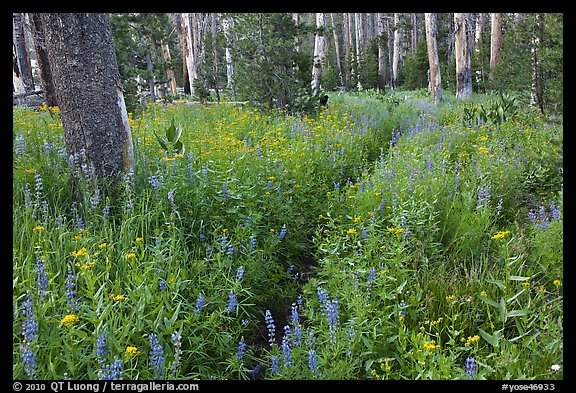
[[170, 76], [381, 54], [150, 67], [337, 49], [349, 47], [396, 55], [478, 52], [21, 49], [319, 52], [87, 83], [227, 24], [435, 79], [42, 60], [537, 94], [495, 43], [463, 37]]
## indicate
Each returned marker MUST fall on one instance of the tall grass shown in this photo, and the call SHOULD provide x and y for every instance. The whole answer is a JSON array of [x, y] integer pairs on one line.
[[381, 237]]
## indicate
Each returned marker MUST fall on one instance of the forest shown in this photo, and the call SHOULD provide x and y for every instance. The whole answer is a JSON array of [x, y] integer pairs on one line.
[[288, 196]]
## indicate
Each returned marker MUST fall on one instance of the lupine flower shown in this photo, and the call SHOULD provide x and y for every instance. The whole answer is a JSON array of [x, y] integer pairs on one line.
[[554, 211], [71, 291], [199, 303], [28, 361], [225, 190], [252, 242], [231, 302], [113, 371], [42, 277], [270, 326], [255, 371], [241, 349], [101, 349], [282, 233], [230, 251], [161, 284], [176, 339], [333, 318], [274, 364], [240, 273], [402, 306], [471, 367], [286, 352], [29, 334], [312, 362], [156, 356]]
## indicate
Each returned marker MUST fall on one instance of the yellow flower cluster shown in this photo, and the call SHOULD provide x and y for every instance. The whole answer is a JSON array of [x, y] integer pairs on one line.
[[395, 231], [69, 320], [80, 253], [500, 235], [430, 345]]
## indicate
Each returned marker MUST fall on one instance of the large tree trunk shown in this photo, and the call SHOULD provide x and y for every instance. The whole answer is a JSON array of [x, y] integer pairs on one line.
[[170, 76], [87, 84], [42, 60], [381, 53], [319, 52], [495, 43], [397, 54], [463, 38], [227, 24], [537, 93], [435, 79], [21, 49], [478, 52]]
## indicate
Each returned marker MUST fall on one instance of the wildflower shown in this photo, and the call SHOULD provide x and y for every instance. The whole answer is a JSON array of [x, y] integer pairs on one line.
[[555, 368], [351, 232], [240, 273], [274, 364], [449, 298], [557, 283], [42, 277], [71, 291], [117, 298], [101, 348], [402, 306], [232, 302], [28, 360], [30, 325], [312, 362], [542, 289], [270, 326], [430, 345], [161, 284], [364, 233], [472, 340], [526, 284], [80, 253], [471, 367], [69, 320], [500, 235], [103, 245], [130, 255], [177, 340], [241, 349], [282, 233], [113, 371], [156, 356], [252, 242], [38, 228], [131, 351], [286, 352], [332, 315], [199, 303]]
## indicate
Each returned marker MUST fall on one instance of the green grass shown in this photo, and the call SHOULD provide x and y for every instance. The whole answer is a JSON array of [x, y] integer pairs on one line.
[[366, 229]]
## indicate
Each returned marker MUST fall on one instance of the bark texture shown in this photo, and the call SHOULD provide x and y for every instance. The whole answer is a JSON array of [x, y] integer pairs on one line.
[[87, 85]]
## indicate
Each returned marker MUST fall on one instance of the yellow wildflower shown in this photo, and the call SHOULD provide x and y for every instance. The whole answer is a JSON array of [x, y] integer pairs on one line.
[[69, 320], [483, 150], [449, 298], [80, 253], [557, 283], [500, 235], [526, 284], [38, 228], [132, 351], [472, 340], [356, 219], [102, 245], [130, 255], [139, 239], [431, 345], [351, 232]]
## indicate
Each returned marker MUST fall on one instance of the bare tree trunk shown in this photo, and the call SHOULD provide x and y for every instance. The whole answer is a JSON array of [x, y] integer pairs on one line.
[[381, 54], [435, 79], [150, 67], [414, 37], [227, 24], [319, 52], [397, 54], [215, 81], [463, 38], [21, 49], [537, 94], [495, 43], [337, 49], [480, 21], [349, 46], [85, 73], [358, 40], [170, 76], [42, 60]]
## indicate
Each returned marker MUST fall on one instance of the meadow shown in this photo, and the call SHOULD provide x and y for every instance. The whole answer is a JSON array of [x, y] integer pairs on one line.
[[380, 237]]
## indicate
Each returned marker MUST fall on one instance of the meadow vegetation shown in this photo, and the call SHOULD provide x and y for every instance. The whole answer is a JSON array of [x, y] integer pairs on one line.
[[381, 237]]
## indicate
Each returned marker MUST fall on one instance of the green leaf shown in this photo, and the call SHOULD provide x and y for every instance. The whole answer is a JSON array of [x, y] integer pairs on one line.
[[171, 133], [517, 313], [498, 283], [160, 141], [489, 301], [503, 317]]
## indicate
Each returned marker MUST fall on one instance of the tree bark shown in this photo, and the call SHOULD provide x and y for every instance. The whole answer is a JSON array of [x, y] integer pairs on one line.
[[227, 24], [336, 49], [381, 53], [42, 60], [463, 37], [495, 43], [435, 79], [21, 49], [319, 52], [396, 55], [87, 83]]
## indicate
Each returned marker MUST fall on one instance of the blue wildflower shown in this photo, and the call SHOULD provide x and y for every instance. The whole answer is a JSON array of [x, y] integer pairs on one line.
[[241, 349], [42, 277], [71, 291], [471, 367], [199, 303], [286, 352], [101, 348], [312, 362], [156, 356], [232, 302], [270, 326], [282, 233], [240, 273], [274, 364]]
